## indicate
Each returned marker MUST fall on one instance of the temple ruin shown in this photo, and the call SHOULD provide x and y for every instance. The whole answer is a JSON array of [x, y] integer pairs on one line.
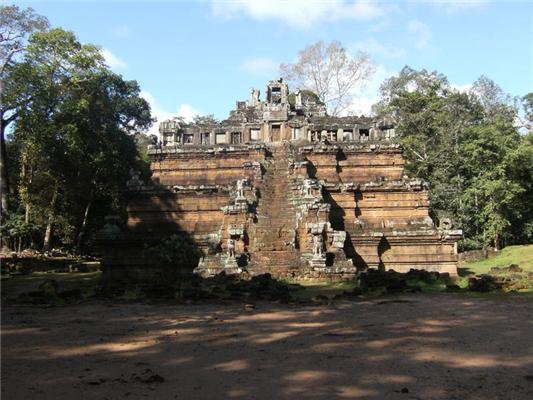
[[281, 187]]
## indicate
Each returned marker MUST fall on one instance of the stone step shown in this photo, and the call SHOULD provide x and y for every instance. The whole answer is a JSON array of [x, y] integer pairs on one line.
[[281, 223], [281, 255], [275, 229], [281, 219], [278, 225], [274, 236], [274, 232]]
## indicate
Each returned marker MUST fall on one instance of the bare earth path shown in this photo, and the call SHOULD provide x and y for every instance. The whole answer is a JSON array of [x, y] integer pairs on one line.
[[432, 347]]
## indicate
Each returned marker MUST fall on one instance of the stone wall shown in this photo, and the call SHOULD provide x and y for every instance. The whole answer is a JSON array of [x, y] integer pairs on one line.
[[308, 211]]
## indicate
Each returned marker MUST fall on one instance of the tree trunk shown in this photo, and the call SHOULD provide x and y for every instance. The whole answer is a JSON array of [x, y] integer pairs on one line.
[[27, 213], [4, 180], [81, 235], [27, 175], [497, 244], [49, 225]]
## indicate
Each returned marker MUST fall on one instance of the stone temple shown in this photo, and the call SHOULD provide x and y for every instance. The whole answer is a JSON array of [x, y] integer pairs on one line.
[[281, 187]]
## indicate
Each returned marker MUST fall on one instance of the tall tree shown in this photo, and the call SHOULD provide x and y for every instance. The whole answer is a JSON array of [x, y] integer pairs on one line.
[[331, 72], [466, 146], [15, 27], [75, 134]]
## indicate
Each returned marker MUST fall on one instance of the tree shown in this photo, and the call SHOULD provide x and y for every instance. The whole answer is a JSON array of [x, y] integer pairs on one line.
[[468, 149], [528, 109], [492, 196], [15, 27], [54, 64], [495, 102], [75, 135], [105, 113], [205, 119], [330, 72]]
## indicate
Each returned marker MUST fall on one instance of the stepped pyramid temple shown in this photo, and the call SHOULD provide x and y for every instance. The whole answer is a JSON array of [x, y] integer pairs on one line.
[[283, 188]]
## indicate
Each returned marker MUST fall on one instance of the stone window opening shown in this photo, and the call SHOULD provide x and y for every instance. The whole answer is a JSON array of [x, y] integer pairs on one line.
[[295, 133], [275, 95], [220, 138], [347, 135], [168, 139], [364, 135], [188, 138], [255, 135], [275, 133], [205, 137], [236, 138]]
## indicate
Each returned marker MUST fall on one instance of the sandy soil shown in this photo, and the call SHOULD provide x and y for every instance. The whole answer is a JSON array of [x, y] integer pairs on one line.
[[431, 347]]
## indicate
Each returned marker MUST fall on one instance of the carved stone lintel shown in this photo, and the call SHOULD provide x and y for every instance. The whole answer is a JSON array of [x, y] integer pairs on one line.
[[236, 230]]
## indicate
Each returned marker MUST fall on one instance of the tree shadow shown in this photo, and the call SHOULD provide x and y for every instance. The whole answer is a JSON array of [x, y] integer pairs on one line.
[[395, 347], [383, 246], [154, 249]]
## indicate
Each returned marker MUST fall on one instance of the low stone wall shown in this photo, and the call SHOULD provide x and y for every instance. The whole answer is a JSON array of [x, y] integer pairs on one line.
[[476, 255]]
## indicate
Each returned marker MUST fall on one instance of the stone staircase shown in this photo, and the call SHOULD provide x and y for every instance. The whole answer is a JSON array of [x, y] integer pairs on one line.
[[274, 234]]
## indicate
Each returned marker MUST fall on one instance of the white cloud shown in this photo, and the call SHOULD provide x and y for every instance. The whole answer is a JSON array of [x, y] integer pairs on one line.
[[188, 112], [422, 33], [112, 60], [376, 48], [367, 96], [261, 66], [454, 6], [185, 110], [121, 31], [300, 13], [462, 88]]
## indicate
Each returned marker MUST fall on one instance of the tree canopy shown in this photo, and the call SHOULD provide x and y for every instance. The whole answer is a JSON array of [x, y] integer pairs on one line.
[[15, 27], [73, 142], [329, 71], [468, 147]]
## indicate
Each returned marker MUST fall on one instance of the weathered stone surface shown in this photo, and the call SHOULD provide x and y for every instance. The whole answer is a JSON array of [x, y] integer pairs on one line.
[[286, 190]]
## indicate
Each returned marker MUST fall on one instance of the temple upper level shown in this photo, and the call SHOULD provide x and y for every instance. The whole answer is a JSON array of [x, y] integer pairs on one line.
[[281, 116]]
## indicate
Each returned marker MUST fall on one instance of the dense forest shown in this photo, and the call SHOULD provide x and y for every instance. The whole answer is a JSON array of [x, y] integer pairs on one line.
[[475, 149], [72, 130]]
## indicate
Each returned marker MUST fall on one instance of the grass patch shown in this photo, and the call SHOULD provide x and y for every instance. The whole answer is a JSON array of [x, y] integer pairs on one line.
[[519, 255], [86, 282]]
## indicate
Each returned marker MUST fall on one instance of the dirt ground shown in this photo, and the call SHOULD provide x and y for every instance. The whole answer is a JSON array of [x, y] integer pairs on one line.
[[440, 346]]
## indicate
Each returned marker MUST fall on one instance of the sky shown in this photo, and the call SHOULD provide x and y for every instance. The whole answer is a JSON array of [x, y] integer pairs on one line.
[[199, 57]]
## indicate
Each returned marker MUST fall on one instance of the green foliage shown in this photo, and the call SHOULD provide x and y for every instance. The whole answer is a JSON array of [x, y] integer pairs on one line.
[[178, 252], [519, 255], [19, 233], [205, 119], [307, 95], [466, 146], [74, 136]]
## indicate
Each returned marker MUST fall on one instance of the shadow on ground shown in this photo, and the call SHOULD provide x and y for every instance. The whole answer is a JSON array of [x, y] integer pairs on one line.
[[440, 346]]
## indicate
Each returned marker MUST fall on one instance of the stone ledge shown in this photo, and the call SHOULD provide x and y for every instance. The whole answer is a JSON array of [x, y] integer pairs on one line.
[[190, 150]]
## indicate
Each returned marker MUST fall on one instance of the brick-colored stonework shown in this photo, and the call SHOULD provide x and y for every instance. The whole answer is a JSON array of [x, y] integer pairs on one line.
[[281, 187]]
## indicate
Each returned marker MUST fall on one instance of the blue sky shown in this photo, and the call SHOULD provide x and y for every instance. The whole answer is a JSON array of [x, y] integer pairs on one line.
[[201, 56]]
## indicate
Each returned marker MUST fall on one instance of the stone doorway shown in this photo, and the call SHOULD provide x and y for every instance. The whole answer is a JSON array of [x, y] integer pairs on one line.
[[276, 133]]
